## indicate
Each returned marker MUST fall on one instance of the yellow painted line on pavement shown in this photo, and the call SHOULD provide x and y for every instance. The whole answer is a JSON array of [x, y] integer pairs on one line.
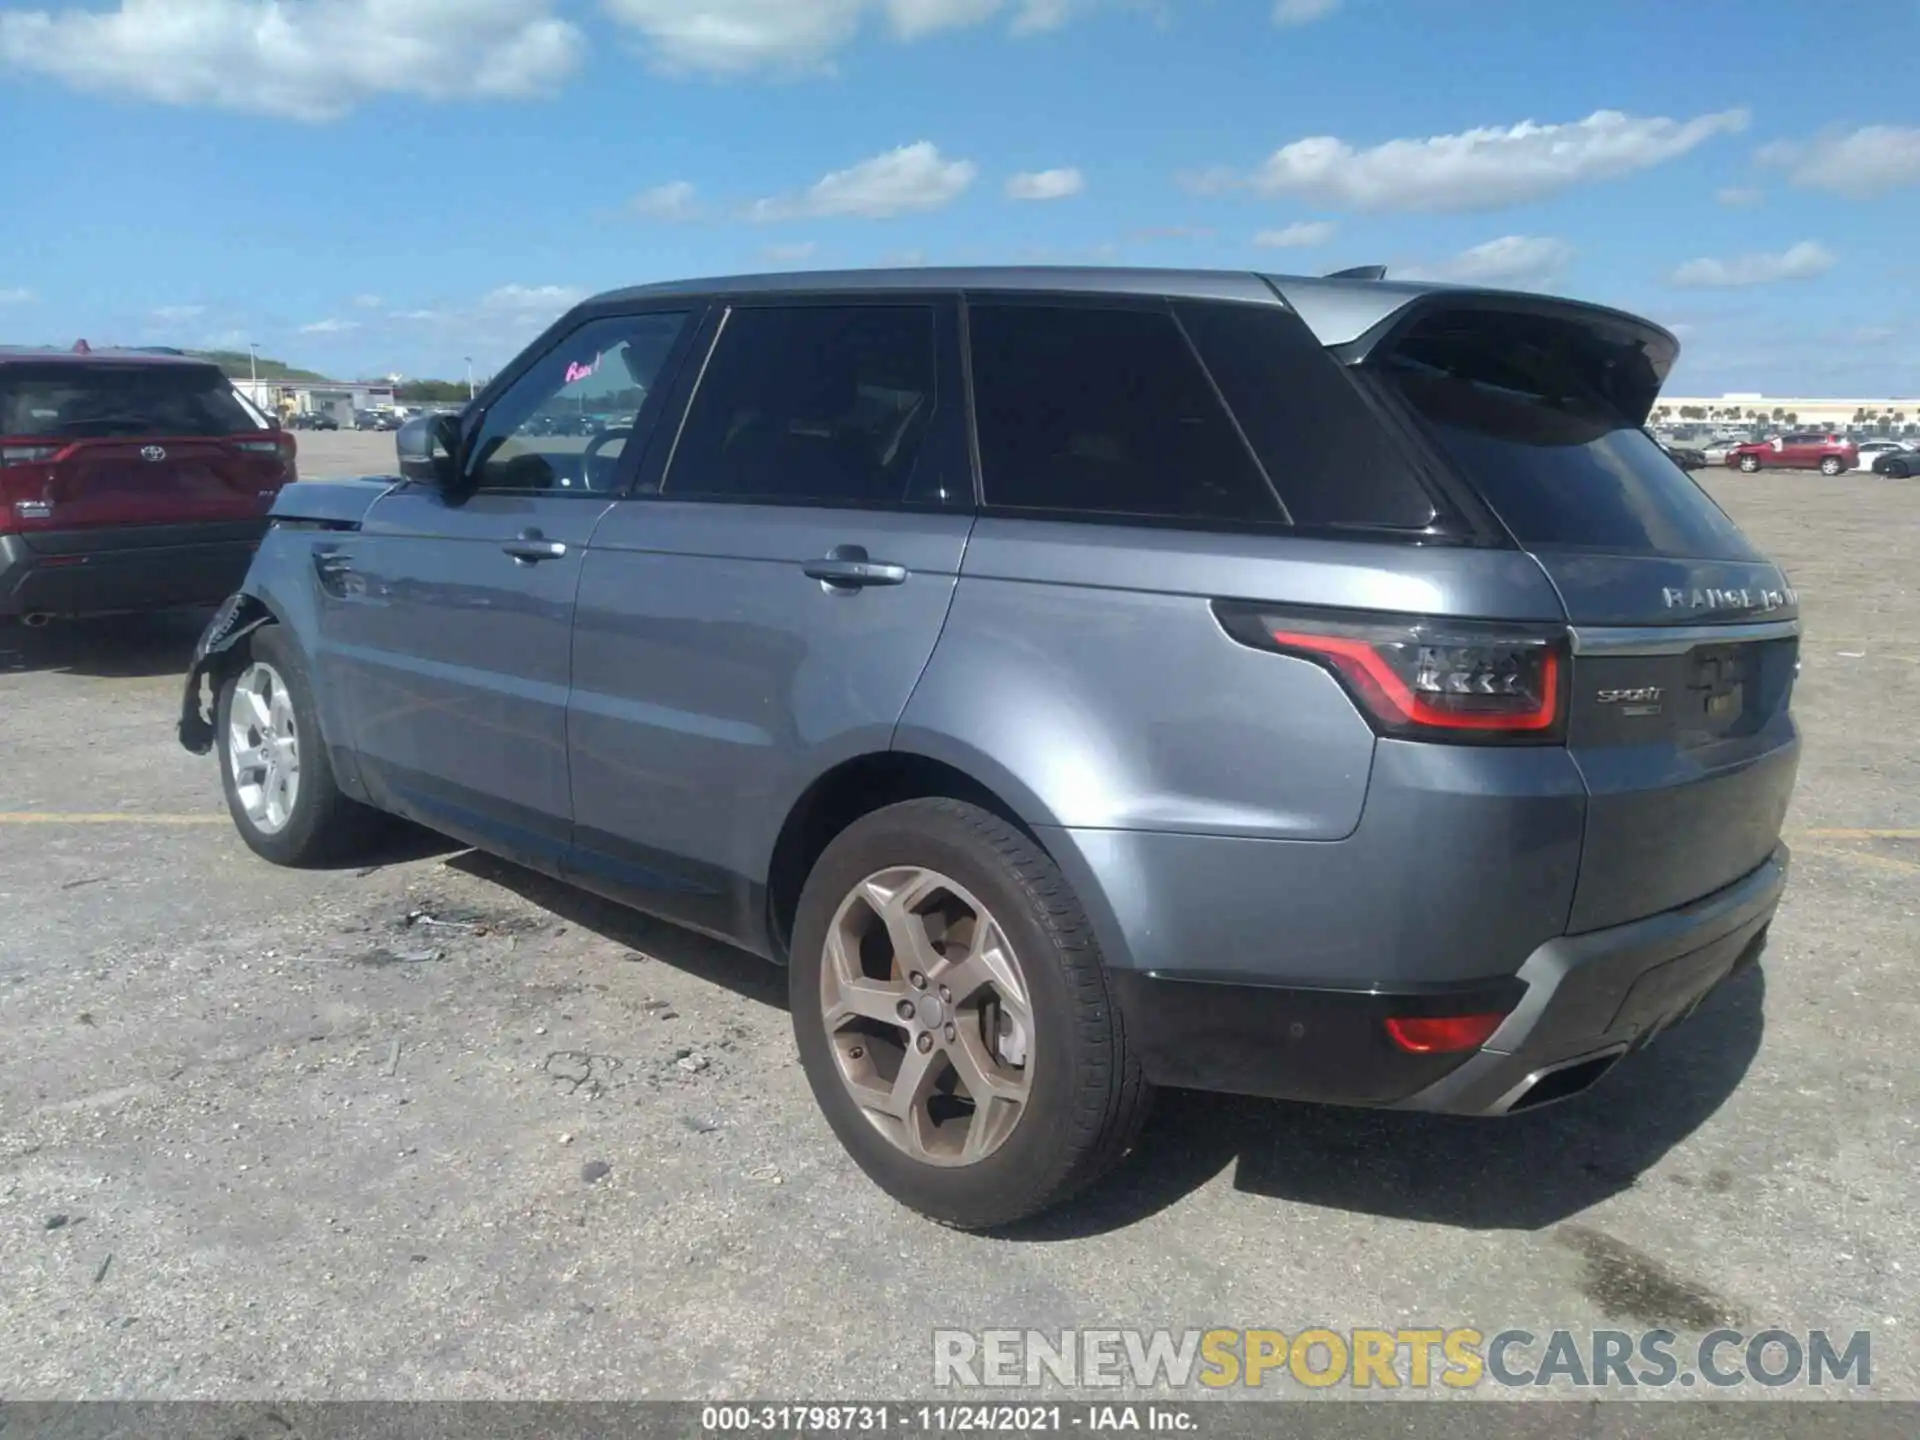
[[41, 817], [1862, 834], [1865, 857]]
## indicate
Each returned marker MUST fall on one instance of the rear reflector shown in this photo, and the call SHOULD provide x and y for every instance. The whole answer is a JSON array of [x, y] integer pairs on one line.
[[1419, 678], [1442, 1034]]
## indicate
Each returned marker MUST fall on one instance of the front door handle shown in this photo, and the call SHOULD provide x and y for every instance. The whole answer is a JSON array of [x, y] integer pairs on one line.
[[847, 567], [530, 547]]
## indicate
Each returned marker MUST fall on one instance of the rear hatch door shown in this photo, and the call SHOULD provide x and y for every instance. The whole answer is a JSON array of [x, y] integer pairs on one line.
[[1685, 639], [132, 444]]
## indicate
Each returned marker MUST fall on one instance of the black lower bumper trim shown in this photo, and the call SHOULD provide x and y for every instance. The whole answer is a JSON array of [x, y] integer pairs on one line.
[[105, 581], [1290, 1044]]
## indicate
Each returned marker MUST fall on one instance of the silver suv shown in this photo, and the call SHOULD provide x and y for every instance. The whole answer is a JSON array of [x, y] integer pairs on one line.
[[1080, 680]]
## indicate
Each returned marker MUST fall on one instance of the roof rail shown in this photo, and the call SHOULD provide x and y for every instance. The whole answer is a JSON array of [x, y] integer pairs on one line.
[[1360, 272]]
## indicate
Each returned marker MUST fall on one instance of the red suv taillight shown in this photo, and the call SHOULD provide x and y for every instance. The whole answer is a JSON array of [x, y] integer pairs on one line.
[[1418, 678]]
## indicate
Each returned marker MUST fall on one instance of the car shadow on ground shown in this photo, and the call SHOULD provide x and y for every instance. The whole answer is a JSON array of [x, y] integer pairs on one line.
[[714, 961], [114, 647], [1527, 1172]]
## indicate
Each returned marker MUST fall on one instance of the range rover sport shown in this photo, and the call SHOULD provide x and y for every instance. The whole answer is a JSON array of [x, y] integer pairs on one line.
[[1082, 681]]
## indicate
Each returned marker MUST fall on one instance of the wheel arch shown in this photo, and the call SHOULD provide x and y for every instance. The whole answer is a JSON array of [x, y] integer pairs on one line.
[[215, 657], [859, 786]]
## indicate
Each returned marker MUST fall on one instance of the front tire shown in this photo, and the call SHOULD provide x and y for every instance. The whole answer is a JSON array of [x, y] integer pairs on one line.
[[1749, 463], [952, 1013], [274, 766], [1832, 465]]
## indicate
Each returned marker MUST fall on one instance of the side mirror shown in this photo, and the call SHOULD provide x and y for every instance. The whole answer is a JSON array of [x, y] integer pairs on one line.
[[429, 447]]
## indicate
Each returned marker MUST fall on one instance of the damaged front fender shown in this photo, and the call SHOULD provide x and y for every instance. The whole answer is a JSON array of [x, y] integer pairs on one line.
[[238, 617]]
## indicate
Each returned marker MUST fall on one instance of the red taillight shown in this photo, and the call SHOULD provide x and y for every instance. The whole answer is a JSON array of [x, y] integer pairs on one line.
[[1442, 1034], [1425, 678]]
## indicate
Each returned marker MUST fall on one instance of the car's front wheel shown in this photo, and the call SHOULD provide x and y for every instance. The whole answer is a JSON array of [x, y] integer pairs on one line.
[[953, 1016], [1749, 463], [1832, 465], [274, 767]]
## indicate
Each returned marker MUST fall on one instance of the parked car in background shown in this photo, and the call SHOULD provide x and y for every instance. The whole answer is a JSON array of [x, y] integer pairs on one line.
[[1872, 450], [1900, 464], [1685, 456], [313, 420], [129, 481], [1079, 739], [1830, 454], [375, 420]]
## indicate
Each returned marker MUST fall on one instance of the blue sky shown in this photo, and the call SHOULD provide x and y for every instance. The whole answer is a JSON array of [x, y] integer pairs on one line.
[[375, 186]]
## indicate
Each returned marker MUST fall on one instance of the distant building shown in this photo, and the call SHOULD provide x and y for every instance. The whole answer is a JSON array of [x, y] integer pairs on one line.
[[337, 398], [1887, 416]]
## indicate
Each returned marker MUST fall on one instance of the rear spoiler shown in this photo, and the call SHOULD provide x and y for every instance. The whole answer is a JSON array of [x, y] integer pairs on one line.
[[1360, 321]]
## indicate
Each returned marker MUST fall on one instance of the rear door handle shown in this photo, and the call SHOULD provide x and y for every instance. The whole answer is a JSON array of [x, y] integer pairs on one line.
[[847, 567], [530, 547]]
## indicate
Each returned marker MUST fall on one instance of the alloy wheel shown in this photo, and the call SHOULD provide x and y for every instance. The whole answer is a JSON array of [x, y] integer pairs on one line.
[[263, 748], [928, 1016]]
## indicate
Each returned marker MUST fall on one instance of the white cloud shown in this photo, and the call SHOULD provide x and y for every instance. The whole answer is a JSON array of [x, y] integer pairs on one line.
[[1477, 169], [1296, 236], [174, 314], [330, 326], [315, 60], [522, 298], [366, 302], [1860, 163], [911, 178], [415, 315], [1796, 262], [1046, 185], [737, 36], [17, 295], [1737, 197], [789, 254], [1521, 261], [1302, 12], [676, 200]]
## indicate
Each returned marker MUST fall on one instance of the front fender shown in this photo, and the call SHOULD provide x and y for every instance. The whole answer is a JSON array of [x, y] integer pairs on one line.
[[238, 617]]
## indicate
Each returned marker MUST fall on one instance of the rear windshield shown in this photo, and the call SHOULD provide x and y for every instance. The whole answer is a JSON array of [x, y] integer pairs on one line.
[[72, 401], [1525, 411]]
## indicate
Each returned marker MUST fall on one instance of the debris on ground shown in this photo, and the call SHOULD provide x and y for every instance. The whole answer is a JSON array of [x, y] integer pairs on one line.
[[692, 1063], [101, 1273], [56, 1222], [595, 1170]]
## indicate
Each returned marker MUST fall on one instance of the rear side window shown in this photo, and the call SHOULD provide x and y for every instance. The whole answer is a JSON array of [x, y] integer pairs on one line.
[[816, 404], [1323, 445], [1526, 410], [1105, 412], [74, 401]]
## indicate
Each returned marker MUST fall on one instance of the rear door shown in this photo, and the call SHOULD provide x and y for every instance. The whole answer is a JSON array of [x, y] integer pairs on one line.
[[764, 613], [1685, 639], [96, 443]]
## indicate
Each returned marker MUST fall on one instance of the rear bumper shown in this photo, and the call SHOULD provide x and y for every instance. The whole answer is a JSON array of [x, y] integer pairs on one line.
[[132, 568], [1574, 1008]]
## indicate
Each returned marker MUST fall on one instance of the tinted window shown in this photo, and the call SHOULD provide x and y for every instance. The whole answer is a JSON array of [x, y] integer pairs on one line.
[[1522, 412], [811, 403], [1105, 412], [1323, 446], [564, 424], [74, 401]]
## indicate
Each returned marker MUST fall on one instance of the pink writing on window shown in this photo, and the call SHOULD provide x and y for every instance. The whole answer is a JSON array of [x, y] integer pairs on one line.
[[577, 371]]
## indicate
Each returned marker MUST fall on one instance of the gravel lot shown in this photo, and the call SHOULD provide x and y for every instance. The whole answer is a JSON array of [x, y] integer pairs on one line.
[[444, 1129]]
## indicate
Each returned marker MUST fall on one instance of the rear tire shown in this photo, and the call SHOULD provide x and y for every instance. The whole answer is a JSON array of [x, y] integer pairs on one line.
[[1832, 465], [1749, 463], [281, 790], [1898, 469], [951, 883]]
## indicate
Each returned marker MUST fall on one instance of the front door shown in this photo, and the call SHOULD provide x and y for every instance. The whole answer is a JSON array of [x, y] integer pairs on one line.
[[456, 607], [764, 612]]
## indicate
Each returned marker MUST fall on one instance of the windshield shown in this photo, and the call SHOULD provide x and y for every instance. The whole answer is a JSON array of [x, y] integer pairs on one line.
[[69, 401]]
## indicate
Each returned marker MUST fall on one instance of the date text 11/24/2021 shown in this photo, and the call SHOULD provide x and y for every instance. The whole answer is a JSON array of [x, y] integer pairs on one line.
[[946, 1419]]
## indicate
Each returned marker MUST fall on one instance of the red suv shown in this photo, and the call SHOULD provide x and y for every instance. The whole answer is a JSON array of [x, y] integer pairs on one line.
[[128, 481], [1829, 454]]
